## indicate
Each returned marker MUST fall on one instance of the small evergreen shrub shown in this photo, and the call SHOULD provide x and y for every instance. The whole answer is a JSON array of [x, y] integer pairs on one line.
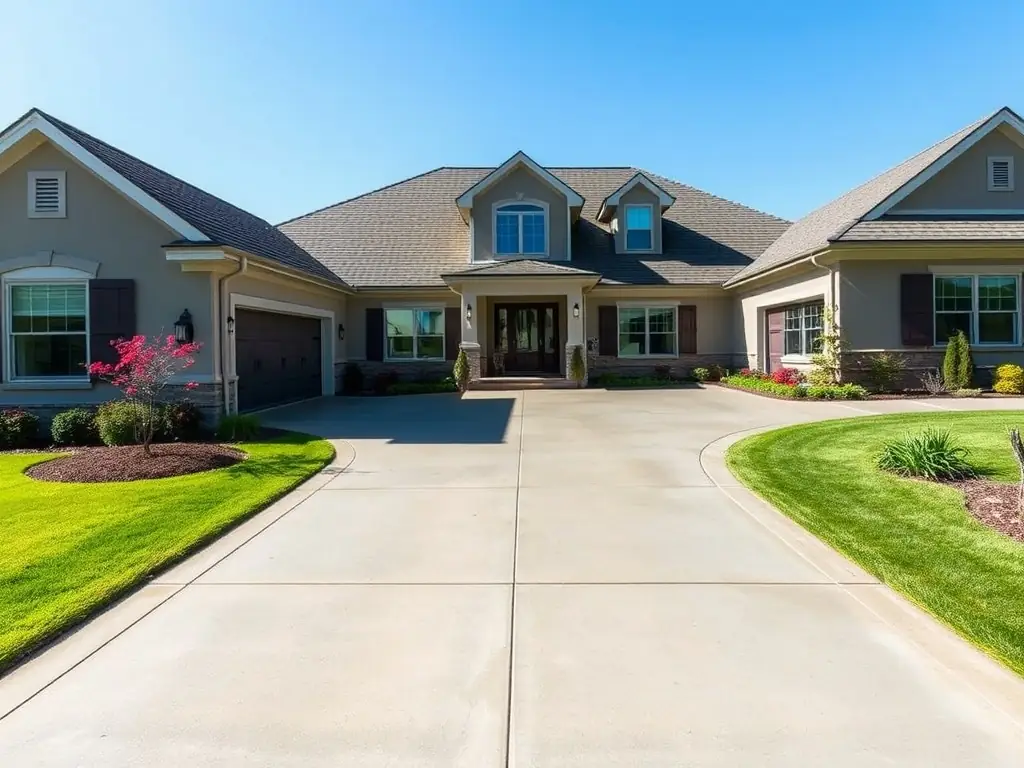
[[1009, 379], [957, 365], [180, 422], [238, 428], [74, 427], [931, 454], [578, 368], [117, 423], [18, 428], [837, 392], [702, 374], [352, 379], [460, 371], [885, 372]]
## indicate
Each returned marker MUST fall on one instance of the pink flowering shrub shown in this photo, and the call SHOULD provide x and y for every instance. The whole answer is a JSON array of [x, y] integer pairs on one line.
[[143, 369], [753, 373], [788, 376]]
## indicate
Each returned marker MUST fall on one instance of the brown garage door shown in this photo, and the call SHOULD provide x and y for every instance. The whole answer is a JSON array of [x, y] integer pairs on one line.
[[277, 357]]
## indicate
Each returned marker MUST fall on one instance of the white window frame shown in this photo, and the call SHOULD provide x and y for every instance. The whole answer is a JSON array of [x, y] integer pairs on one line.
[[61, 177], [674, 306], [805, 355], [496, 209], [42, 276], [975, 311], [1008, 159], [625, 227], [415, 336]]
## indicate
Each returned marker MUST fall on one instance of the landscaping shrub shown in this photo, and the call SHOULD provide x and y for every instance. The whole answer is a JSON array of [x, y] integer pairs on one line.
[[789, 376], [957, 365], [352, 379], [74, 427], [837, 392], [238, 428], [578, 369], [460, 371], [814, 392], [966, 393], [932, 454], [753, 373], [116, 423], [18, 428], [711, 373], [180, 422], [383, 381], [701, 374], [423, 387], [885, 371], [1009, 379]]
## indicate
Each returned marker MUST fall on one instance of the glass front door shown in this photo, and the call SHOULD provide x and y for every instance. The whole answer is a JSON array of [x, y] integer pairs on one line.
[[527, 335]]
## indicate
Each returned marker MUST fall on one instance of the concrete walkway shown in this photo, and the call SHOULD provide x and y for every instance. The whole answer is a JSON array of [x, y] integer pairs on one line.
[[553, 578]]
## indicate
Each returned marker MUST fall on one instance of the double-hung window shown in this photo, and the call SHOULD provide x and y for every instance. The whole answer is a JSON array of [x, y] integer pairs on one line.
[[520, 229], [414, 334], [47, 329], [803, 328], [646, 331], [639, 228], [985, 307]]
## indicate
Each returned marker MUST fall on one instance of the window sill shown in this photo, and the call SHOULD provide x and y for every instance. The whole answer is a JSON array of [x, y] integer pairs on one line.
[[42, 384], [795, 360]]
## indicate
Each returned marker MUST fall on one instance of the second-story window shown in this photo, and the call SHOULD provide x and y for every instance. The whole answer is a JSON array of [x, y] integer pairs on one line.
[[520, 228], [639, 228]]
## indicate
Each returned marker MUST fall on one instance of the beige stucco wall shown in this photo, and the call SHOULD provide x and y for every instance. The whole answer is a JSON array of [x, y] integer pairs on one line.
[[638, 195], [749, 309], [521, 181], [104, 227], [356, 306], [964, 182]]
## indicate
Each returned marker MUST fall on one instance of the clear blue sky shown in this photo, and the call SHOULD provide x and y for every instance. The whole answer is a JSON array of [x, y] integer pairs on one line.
[[286, 107]]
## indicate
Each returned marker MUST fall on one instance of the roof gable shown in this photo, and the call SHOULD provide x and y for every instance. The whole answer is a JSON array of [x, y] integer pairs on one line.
[[465, 200], [640, 179]]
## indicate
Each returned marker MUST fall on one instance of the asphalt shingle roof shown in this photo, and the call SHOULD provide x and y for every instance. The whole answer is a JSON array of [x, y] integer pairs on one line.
[[893, 229], [221, 222], [410, 233], [815, 230], [521, 268]]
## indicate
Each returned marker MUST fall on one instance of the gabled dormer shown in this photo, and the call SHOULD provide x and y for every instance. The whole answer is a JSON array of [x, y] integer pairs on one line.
[[520, 210], [634, 212]]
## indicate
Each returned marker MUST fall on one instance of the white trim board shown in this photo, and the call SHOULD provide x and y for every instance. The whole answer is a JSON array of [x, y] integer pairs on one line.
[[328, 331], [1003, 117], [465, 200], [36, 122], [664, 198]]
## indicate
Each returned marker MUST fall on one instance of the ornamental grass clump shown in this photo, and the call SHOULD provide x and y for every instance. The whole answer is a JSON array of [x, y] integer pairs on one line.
[[932, 454]]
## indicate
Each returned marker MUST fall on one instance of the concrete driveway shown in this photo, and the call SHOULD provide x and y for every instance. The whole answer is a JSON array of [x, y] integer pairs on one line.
[[556, 578]]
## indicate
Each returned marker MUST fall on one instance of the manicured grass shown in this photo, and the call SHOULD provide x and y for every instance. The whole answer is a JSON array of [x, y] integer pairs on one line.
[[67, 549], [915, 536]]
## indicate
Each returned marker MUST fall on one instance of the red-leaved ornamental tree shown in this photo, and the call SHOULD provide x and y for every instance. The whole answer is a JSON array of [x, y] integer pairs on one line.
[[143, 369]]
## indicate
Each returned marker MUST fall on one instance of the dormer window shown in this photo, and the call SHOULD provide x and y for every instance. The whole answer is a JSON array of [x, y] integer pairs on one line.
[[520, 229], [639, 227], [1000, 174]]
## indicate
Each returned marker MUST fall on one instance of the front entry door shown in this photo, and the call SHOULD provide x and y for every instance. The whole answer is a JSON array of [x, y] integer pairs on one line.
[[528, 335]]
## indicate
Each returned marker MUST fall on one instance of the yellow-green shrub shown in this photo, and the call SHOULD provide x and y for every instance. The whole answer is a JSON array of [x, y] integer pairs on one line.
[[1009, 379]]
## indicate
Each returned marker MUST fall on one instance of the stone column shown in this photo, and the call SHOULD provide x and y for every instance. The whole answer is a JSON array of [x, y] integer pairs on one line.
[[470, 342], [575, 331]]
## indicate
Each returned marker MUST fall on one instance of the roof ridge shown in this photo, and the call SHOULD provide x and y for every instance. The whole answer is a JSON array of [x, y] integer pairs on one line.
[[711, 195], [364, 194]]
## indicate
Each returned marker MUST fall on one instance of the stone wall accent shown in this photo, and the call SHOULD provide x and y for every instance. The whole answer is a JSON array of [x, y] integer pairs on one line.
[[678, 366], [412, 370], [916, 363], [477, 364]]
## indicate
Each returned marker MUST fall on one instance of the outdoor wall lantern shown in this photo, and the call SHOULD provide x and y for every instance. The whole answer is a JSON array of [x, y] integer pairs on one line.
[[184, 331], [231, 324], [469, 312], [341, 331], [576, 310]]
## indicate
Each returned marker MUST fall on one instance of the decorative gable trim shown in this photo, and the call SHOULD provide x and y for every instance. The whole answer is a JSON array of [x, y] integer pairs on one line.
[[640, 179], [465, 200], [1004, 117], [34, 122]]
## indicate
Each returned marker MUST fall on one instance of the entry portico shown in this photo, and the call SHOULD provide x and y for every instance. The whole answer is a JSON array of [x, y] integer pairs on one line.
[[522, 316]]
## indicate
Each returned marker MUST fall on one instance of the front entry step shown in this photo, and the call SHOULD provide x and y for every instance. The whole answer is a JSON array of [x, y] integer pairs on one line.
[[523, 382]]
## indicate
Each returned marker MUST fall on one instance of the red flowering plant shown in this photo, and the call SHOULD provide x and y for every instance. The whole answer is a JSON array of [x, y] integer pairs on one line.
[[143, 370], [788, 376]]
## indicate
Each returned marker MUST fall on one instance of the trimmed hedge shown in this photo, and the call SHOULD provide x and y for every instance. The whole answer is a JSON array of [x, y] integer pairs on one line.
[[18, 428], [74, 427], [796, 392]]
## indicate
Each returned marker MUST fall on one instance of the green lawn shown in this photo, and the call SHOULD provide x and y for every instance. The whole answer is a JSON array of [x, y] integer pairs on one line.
[[915, 536], [66, 549]]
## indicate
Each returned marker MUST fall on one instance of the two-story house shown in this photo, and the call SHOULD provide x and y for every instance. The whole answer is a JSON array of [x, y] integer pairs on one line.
[[517, 265]]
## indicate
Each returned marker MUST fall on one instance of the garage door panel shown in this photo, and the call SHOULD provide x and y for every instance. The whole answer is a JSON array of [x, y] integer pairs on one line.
[[278, 358]]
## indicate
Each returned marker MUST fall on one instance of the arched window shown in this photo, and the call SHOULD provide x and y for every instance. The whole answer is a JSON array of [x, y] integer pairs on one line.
[[521, 228]]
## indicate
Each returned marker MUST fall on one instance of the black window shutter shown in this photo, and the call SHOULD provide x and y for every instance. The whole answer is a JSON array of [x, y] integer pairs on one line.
[[608, 331], [688, 330], [452, 332], [111, 317], [375, 334], [917, 318]]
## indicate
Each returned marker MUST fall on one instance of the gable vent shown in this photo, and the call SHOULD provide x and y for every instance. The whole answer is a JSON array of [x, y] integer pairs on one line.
[[1000, 174], [46, 193]]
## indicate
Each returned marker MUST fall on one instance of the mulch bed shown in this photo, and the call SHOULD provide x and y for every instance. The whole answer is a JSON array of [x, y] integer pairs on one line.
[[993, 504], [129, 462]]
